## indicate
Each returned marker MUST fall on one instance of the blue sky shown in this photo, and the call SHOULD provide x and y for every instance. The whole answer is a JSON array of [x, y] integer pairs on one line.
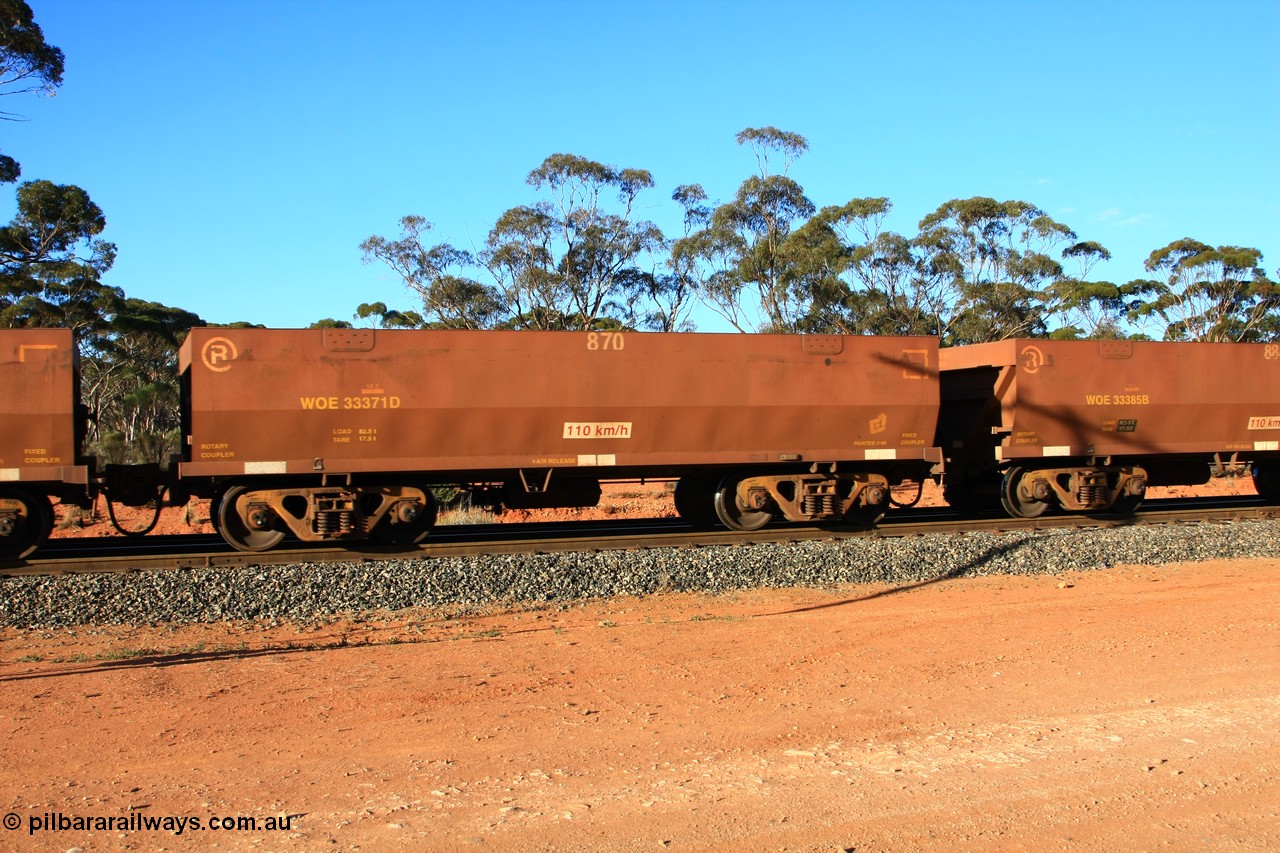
[[242, 150]]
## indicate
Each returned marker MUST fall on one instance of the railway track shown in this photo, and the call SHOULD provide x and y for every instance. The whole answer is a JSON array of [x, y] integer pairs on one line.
[[157, 553]]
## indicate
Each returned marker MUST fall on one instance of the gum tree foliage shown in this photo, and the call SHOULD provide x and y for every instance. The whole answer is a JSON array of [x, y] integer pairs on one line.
[[28, 64], [1091, 310], [388, 318], [1205, 293], [857, 278], [450, 299], [579, 259], [52, 261], [672, 283], [736, 258], [977, 269], [376, 315], [51, 256], [130, 382], [573, 262], [988, 266]]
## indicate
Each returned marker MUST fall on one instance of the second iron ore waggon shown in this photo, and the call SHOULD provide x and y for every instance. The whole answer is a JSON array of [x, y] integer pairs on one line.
[[339, 434], [1089, 425]]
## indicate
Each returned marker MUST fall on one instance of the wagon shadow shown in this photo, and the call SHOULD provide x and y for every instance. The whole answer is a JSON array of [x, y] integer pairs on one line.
[[959, 571], [160, 658]]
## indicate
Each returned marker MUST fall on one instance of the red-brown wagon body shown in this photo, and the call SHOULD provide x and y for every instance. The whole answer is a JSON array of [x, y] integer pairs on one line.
[[41, 428], [547, 415], [1097, 421]]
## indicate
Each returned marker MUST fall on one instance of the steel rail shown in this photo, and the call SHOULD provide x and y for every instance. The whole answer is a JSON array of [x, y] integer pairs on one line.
[[83, 556]]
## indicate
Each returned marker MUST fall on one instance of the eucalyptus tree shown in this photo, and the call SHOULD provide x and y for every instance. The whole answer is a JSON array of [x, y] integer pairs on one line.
[[988, 265], [52, 261], [51, 256], [857, 278], [739, 253], [450, 299], [672, 279], [28, 64], [129, 381], [1094, 310], [573, 261], [388, 318], [1205, 293]]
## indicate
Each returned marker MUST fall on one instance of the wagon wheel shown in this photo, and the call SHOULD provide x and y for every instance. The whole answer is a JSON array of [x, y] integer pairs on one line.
[[233, 529], [1266, 479], [25, 522], [732, 513], [407, 522], [1014, 502], [694, 498]]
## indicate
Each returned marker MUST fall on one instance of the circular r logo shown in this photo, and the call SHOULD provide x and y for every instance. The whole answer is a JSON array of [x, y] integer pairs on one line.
[[1032, 359], [218, 353]]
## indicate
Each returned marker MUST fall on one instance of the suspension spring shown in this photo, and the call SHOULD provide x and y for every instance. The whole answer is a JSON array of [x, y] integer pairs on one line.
[[819, 505], [1092, 495], [335, 522]]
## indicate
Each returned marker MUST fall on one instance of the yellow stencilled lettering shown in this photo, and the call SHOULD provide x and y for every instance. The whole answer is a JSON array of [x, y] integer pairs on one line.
[[217, 450], [371, 401], [39, 456], [319, 402], [368, 434], [554, 460], [1271, 352], [605, 341], [1117, 399], [358, 402], [612, 429]]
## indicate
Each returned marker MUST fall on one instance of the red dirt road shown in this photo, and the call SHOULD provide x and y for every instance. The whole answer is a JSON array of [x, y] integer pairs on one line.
[[1127, 709]]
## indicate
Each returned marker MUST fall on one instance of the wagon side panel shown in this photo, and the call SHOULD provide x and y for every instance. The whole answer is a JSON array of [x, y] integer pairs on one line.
[[276, 401]]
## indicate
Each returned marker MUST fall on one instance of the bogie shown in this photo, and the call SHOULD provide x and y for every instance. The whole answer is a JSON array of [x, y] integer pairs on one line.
[[257, 517]]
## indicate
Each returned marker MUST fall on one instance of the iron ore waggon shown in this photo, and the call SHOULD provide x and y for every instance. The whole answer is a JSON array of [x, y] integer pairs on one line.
[[339, 434], [41, 435], [1089, 425]]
